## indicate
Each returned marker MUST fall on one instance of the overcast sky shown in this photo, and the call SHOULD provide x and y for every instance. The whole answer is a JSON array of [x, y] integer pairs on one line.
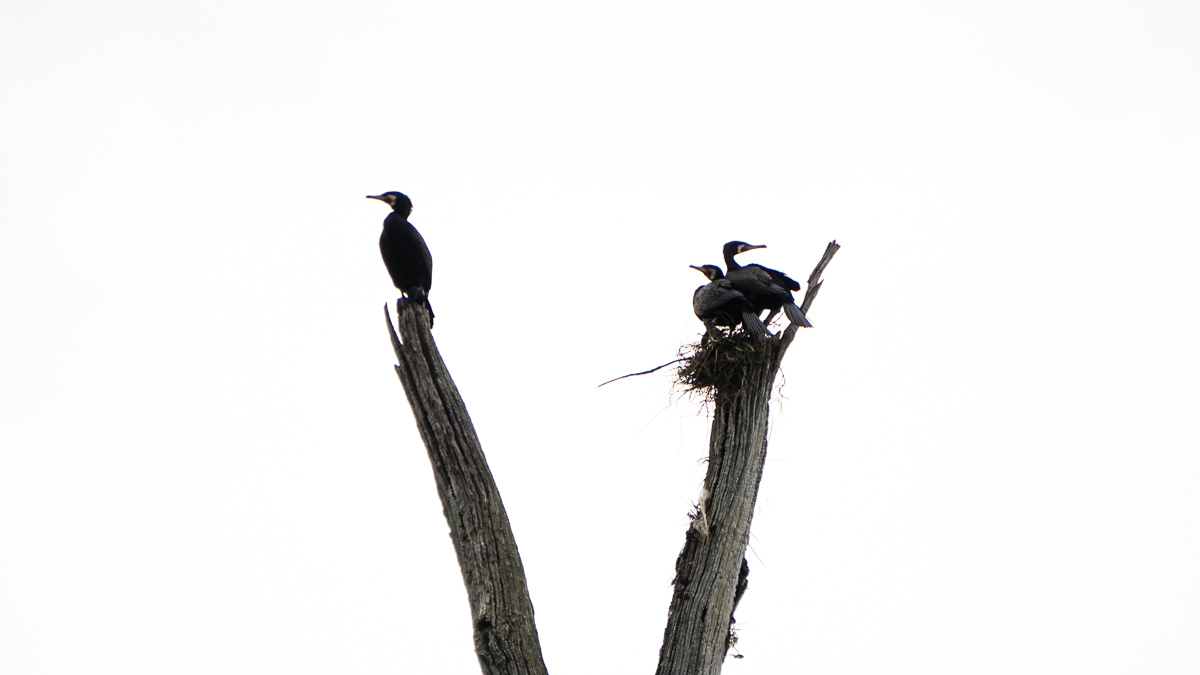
[[983, 459]]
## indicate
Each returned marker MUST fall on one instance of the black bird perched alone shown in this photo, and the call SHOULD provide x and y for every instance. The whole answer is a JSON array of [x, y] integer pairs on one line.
[[718, 304], [764, 287], [404, 251]]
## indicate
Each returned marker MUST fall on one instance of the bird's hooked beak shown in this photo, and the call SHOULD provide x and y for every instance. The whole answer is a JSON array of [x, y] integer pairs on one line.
[[696, 267], [749, 247], [379, 197]]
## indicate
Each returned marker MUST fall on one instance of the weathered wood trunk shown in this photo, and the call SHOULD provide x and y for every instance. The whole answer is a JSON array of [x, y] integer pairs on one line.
[[711, 571], [506, 639]]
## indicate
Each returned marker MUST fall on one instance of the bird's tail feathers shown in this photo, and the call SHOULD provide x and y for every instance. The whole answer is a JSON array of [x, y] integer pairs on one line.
[[795, 315], [754, 326]]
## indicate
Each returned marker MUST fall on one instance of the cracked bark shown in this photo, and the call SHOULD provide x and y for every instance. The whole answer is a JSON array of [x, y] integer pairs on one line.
[[506, 639], [711, 571]]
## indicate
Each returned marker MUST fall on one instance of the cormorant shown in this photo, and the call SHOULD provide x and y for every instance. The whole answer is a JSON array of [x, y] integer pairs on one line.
[[404, 251], [764, 287], [718, 304]]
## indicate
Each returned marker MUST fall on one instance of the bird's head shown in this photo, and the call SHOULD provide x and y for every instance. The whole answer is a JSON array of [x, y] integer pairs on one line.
[[399, 202], [735, 247], [711, 271]]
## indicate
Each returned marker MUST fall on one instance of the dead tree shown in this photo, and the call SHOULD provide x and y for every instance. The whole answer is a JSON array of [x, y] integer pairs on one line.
[[738, 374], [711, 571], [506, 639]]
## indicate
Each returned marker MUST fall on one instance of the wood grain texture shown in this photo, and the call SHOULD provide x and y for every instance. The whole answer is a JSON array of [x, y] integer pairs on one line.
[[506, 639]]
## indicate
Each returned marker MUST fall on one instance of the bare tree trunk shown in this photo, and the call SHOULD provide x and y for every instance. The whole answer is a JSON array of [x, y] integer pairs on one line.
[[506, 639], [711, 571]]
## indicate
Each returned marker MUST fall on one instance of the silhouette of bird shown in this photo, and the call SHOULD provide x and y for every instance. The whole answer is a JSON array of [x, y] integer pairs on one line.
[[764, 287], [718, 304], [404, 252]]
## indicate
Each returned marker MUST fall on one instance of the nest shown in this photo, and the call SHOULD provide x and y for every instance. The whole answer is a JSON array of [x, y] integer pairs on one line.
[[721, 365]]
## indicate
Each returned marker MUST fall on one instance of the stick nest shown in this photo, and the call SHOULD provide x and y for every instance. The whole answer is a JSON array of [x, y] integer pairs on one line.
[[721, 366]]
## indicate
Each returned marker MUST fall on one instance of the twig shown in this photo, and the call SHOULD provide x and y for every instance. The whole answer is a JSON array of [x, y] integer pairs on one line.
[[644, 372], [814, 279]]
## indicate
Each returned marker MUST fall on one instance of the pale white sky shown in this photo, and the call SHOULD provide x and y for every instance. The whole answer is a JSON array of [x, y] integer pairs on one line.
[[983, 459]]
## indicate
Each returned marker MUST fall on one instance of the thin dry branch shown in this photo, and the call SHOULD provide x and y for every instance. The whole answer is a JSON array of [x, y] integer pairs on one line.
[[644, 372], [814, 279]]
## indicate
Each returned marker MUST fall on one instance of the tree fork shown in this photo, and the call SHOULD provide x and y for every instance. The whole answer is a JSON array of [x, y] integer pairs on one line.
[[711, 571], [506, 639]]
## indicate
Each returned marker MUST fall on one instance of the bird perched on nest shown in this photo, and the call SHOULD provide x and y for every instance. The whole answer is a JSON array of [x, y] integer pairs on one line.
[[719, 304], [404, 252], [764, 287]]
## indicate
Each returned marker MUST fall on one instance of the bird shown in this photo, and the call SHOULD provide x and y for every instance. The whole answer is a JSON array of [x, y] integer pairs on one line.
[[404, 252], [718, 304], [764, 287]]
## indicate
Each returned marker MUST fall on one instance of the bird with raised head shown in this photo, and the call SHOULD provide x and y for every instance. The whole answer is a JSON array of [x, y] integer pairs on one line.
[[404, 252], [718, 304], [764, 287]]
